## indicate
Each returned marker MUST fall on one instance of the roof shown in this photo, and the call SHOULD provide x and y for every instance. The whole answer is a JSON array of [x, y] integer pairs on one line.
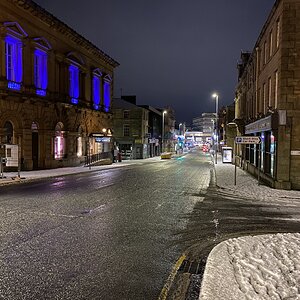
[[55, 23]]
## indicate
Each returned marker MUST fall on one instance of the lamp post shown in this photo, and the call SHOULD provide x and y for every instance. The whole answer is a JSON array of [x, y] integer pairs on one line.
[[180, 124], [163, 131], [216, 96]]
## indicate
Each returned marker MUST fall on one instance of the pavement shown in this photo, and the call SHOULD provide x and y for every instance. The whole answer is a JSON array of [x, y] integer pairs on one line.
[[25, 176], [213, 287]]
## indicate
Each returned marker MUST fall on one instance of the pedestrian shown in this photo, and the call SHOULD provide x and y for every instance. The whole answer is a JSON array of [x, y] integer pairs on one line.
[[116, 151]]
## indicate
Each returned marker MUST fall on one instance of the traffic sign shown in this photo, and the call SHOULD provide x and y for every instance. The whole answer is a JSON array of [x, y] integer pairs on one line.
[[247, 140]]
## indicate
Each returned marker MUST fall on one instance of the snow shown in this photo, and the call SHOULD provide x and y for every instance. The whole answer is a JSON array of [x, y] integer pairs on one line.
[[253, 267]]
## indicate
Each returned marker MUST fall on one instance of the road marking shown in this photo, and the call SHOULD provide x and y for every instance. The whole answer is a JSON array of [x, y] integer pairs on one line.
[[164, 292]]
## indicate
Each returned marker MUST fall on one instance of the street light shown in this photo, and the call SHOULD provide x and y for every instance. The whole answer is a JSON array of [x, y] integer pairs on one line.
[[163, 130], [180, 124], [215, 95]]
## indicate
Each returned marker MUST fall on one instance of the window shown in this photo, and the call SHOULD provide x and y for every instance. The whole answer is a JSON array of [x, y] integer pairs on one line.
[[74, 83], [13, 56], [106, 96], [270, 92], [126, 130], [126, 114], [9, 132], [40, 72], [276, 89], [265, 53], [271, 44], [277, 33], [59, 142], [264, 98], [96, 91]]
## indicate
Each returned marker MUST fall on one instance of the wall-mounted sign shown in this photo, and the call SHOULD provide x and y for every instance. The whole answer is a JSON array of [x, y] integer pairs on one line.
[[248, 140], [295, 152], [264, 124], [103, 139]]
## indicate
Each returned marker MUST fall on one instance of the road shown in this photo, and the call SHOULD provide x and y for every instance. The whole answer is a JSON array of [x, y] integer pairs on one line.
[[113, 234]]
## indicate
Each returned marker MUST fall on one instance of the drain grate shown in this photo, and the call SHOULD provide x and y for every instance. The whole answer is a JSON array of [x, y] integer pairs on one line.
[[192, 267]]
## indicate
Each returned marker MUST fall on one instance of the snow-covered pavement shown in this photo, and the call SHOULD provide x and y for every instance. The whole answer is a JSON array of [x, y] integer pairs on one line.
[[253, 267]]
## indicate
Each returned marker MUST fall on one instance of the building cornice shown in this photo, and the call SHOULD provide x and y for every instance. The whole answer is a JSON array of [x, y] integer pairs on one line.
[[56, 24]]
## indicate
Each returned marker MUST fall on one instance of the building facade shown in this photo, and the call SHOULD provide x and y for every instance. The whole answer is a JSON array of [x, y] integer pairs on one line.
[[130, 128], [55, 89], [268, 98]]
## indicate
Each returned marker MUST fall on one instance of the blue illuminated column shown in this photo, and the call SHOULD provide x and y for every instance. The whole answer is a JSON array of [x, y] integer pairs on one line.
[[74, 83], [13, 60]]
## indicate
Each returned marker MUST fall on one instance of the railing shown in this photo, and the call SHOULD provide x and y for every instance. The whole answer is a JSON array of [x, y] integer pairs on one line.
[[90, 159]]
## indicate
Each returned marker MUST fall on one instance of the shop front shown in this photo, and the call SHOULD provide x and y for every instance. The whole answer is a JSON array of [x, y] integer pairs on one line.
[[99, 147], [262, 156]]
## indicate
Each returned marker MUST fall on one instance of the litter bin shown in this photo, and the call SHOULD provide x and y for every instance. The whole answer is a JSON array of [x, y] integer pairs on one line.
[[226, 154]]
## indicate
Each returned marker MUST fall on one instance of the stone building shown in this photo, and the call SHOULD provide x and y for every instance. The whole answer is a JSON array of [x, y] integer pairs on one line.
[[130, 128], [55, 89], [267, 100]]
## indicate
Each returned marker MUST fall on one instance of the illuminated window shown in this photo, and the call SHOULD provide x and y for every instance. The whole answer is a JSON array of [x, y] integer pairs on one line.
[[107, 95], [13, 56], [59, 142], [40, 72], [96, 91], [126, 130], [79, 146], [74, 83]]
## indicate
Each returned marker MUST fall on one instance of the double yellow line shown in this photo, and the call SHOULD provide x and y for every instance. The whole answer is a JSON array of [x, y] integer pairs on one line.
[[164, 292]]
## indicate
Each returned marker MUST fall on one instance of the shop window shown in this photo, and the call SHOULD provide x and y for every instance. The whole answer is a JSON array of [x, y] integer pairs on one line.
[[79, 149], [14, 67], [79, 146], [40, 72], [74, 83], [59, 142]]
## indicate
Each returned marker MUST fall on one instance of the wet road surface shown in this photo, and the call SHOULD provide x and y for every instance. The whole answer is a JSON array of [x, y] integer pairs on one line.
[[113, 234]]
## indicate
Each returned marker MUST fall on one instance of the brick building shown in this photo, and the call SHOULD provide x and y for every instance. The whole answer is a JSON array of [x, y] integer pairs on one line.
[[55, 89], [267, 100]]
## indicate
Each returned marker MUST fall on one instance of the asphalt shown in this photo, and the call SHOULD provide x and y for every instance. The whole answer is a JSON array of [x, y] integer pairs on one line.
[[25, 176]]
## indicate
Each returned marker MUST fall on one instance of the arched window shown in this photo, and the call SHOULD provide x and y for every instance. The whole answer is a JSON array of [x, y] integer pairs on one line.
[[59, 141], [9, 132]]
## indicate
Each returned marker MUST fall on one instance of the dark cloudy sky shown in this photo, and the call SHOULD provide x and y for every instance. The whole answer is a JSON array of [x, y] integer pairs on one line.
[[171, 52]]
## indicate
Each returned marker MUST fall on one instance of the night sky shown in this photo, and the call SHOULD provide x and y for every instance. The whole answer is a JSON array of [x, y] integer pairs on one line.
[[171, 52]]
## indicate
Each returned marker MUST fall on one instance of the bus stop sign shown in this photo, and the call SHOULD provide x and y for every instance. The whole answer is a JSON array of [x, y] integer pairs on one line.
[[247, 140]]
